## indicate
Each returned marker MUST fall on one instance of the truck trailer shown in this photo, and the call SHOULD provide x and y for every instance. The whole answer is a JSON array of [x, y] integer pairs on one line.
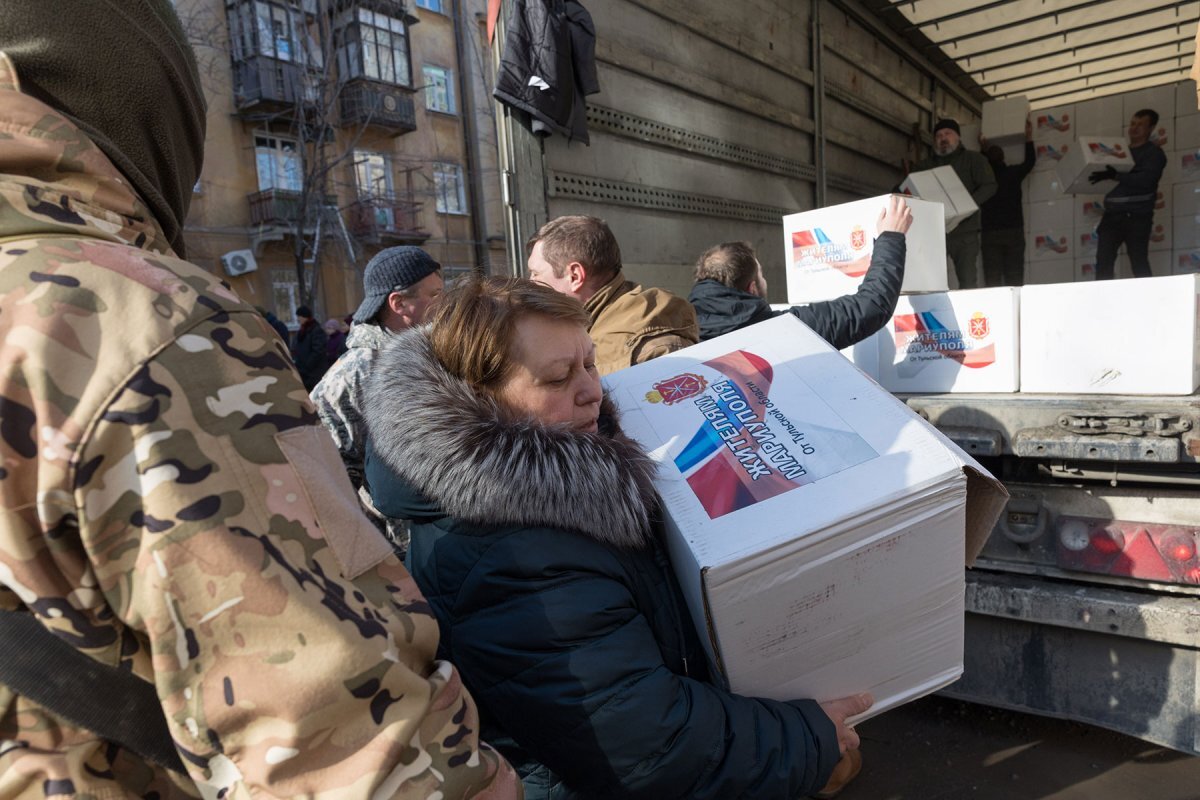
[[715, 120]]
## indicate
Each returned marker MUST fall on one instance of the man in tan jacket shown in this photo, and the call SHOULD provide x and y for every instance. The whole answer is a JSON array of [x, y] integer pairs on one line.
[[579, 256]]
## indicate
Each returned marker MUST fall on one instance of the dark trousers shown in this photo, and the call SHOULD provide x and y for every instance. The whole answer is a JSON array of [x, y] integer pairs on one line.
[[1132, 230], [1003, 257], [963, 249]]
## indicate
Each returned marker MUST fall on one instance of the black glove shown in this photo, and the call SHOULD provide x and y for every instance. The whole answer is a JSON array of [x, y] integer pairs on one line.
[[1106, 174]]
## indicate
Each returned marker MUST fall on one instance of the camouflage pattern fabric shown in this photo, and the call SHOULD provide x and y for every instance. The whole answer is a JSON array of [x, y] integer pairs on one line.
[[339, 401], [171, 506]]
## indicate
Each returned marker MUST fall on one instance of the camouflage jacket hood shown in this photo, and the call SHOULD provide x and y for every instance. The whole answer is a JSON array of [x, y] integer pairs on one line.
[[50, 167], [476, 463]]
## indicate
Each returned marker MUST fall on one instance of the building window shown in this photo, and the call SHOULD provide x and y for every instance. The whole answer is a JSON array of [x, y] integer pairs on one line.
[[278, 163], [373, 177], [278, 34], [372, 174], [439, 89], [373, 45], [273, 29], [285, 296], [448, 184], [432, 5]]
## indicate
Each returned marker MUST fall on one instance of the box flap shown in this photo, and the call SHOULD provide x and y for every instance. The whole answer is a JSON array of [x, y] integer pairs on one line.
[[986, 499]]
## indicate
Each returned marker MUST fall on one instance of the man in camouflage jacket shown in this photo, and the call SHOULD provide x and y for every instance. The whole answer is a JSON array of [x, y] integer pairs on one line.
[[401, 286], [171, 505]]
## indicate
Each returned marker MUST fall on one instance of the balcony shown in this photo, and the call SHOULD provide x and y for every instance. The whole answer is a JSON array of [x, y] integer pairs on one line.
[[282, 207], [269, 86], [382, 105], [388, 220]]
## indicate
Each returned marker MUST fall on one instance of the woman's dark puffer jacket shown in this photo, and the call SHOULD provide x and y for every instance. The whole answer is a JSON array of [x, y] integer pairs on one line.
[[536, 549]]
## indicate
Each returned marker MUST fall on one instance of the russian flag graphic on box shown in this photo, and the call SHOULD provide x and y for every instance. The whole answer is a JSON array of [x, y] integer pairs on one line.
[[924, 332], [815, 248], [747, 447]]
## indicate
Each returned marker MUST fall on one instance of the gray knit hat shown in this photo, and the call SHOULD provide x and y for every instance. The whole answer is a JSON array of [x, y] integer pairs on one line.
[[392, 270]]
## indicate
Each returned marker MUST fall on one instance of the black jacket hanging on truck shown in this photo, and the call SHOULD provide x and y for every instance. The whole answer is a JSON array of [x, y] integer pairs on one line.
[[549, 65]]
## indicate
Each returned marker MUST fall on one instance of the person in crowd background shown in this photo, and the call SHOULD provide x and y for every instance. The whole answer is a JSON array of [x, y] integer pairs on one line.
[[1002, 219], [1129, 207], [180, 547], [335, 339], [580, 257], [308, 350], [276, 325], [962, 243], [401, 286], [536, 537], [731, 292]]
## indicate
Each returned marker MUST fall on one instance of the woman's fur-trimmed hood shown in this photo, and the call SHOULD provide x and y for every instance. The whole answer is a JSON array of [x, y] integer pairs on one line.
[[477, 464]]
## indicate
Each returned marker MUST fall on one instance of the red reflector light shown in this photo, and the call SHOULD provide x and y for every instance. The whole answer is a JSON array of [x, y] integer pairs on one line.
[[1152, 552], [1178, 546], [1108, 541]]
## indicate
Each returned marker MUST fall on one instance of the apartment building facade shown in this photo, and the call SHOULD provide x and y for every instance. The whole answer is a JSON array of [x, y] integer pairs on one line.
[[337, 128]]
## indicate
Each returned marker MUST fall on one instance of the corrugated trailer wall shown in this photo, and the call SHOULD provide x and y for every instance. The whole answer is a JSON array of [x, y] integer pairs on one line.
[[706, 128]]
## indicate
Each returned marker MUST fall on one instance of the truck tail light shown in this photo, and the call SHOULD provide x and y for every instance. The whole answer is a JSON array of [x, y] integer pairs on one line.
[[1153, 552]]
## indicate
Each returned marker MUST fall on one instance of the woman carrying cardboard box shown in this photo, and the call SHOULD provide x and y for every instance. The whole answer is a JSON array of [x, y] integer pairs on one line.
[[535, 539]]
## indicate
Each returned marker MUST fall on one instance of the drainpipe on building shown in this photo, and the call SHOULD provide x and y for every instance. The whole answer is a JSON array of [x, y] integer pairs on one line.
[[470, 130]]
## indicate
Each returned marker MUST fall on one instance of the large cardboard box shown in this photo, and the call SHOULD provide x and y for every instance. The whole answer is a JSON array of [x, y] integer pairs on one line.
[[1183, 166], [1086, 242], [1185, 262], [1185, 232], [1004, 121], [1104, 116], [829, 249], [1049, 230], [1044, 186], [962, 341], [1049, 154], [941, 185], [1160, 263], [1051, 270], [818, 527], [1090, 154], [1138, 336], [1085, 269], [969, 134], [1185, 200], [1088, 209], [1187, 133], [1185, 99], [1054, 124]]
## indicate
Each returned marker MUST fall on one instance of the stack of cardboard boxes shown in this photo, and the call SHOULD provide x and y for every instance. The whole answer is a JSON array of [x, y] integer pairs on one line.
[[1183, 169], [1049, 217], [1070, 337]]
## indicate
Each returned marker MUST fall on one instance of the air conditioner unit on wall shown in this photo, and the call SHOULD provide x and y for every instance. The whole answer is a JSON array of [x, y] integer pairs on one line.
[[239, 262]]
